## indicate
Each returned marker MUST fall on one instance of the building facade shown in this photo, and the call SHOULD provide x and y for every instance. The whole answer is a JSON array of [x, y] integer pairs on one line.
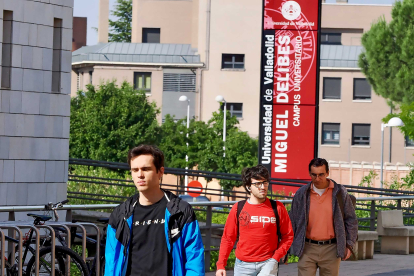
[[227, 38], [79, 32], [34, 100]]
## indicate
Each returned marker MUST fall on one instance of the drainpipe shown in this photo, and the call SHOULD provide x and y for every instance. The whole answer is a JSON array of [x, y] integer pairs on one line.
[[199, 78], [207, 57], [208, 15]]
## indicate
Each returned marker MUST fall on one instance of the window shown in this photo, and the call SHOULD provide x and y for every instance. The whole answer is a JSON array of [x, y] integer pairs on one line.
[[331, 88], [409, 142], [175, 82], [235, 109], [232, 61], [151, 35], [330, 133], [362, 89], [57, 51], [361, 134], [142, 81], [6, 51], [90, 77], [331, 38], [77, 81]]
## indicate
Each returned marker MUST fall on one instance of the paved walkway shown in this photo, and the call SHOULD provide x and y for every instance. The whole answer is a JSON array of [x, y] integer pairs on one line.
[[381, 265]]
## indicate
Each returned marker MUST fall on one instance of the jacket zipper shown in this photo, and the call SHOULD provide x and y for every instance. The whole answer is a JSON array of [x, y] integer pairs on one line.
[[127, 251]]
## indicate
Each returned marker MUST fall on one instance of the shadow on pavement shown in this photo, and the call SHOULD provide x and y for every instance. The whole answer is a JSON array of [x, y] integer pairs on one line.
[[402, 272]]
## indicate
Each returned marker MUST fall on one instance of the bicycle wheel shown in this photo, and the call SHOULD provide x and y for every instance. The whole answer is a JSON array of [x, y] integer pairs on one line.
[[77, 265]]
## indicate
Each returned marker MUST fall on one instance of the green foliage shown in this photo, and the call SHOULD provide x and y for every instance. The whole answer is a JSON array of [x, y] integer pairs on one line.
[[121, 28], [205, 145], [368, 180], [106, 123], [388, 58], [407, 116], [241, 150], [76, 186]]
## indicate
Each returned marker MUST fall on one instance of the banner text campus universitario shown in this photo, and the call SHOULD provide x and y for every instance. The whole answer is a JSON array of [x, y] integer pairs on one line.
[[289, 87]]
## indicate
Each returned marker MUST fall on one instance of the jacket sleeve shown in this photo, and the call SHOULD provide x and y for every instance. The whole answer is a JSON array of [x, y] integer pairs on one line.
[[194, 248], [286, 232], [110, 251], [292, 214], [351, 222], [228, 239]]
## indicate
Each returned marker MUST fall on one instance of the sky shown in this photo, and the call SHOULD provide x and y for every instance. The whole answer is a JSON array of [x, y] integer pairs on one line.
[[89, 9]]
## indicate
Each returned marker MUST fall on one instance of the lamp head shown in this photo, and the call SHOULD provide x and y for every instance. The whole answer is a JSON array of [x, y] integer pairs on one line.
[[183, 98], [220, 99], [395, 122]]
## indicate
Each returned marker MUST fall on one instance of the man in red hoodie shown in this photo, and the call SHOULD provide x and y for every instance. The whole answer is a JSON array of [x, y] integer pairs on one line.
[[260, 219]]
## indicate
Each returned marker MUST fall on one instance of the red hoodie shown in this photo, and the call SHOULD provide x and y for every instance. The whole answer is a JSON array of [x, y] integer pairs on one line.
[[258, 234]]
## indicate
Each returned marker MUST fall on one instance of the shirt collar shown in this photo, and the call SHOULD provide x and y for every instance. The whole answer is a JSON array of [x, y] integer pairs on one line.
[[330, 186]]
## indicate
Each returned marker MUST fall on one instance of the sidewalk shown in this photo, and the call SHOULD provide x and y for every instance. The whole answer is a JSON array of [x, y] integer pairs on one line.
[[381, 265]]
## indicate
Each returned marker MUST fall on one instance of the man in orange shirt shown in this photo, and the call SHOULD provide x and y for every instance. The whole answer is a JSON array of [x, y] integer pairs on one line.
[[323, 235]]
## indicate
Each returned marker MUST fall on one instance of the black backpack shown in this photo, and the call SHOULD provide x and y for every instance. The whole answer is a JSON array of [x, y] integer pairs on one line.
[[240, 206]]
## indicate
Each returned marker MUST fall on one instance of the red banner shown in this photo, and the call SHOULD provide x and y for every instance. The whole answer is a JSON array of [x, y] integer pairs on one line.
[[295, 67], [289, 87], [293, 141], [291, 15]]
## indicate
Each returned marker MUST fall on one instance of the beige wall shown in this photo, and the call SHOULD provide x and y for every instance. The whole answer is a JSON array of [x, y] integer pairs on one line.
[[241, 37], [350, 16], [174, 18], [347, 111]]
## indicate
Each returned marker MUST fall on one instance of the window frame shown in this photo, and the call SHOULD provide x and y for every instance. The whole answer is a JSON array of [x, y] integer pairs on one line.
[[359, 98], [324, 87], [331, 141], [143, 74], [353, 140], [331, 34], [143, 35], [230, 108], [409, 143], [233, 62]]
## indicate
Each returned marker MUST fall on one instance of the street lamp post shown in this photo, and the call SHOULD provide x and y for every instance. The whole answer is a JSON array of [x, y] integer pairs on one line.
[[221, 99], [391, 123], [183, 99]]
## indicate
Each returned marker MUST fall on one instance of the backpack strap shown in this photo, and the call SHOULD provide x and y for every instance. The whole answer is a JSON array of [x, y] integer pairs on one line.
[[341, 203], [240, 206], [274, 207], [279, 235]]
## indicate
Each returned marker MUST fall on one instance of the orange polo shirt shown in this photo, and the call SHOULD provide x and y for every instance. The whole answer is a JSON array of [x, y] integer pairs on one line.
[[320, 224]]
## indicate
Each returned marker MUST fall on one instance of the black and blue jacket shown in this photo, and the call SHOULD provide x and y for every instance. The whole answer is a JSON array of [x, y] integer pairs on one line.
[[182, 235]]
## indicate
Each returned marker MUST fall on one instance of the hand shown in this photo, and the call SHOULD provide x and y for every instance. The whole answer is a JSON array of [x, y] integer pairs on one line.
[[221, 272], [347, 254]]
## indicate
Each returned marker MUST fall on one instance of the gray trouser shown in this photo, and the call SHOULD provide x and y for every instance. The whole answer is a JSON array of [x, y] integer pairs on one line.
[[265, 268]]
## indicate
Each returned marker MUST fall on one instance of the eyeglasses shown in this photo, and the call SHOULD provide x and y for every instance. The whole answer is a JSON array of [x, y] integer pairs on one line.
[[259, 184], [321, 175]]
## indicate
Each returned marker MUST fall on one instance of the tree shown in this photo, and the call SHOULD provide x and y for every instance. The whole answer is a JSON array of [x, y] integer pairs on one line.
[[241, 149], [205, 146], [388, 57], [122, 26], [107, 122]]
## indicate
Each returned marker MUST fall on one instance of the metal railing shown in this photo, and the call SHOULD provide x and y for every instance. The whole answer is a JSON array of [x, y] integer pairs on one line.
[[14, 227], [180, 189], [374, 204]]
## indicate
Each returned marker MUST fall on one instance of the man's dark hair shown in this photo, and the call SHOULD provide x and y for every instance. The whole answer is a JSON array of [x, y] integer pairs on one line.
[[258, 172], [156, 153], [317, 162]]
